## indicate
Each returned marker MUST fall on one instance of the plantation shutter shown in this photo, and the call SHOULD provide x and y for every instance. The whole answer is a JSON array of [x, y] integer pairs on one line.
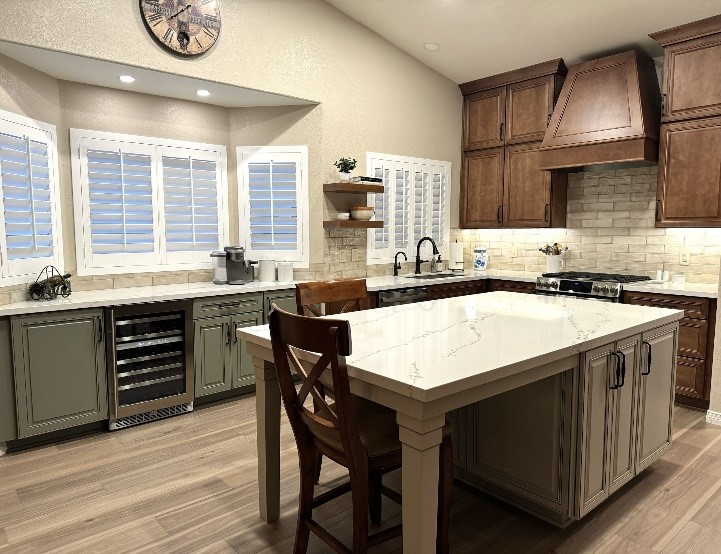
[[191, 203], [439, 219], [421, 204], [274, 185], [120, 201], [379, 238], [401, 205]]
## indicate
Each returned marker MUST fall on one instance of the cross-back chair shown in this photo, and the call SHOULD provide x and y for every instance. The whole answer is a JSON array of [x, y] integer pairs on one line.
[[352, 431], [339, 297]]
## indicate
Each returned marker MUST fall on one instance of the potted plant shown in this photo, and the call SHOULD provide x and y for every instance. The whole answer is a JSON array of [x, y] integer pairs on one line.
[[345, 166]]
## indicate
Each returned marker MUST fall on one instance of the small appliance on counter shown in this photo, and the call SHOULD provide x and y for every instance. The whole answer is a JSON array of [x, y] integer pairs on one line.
[[239, 270], [455, 256], [220, 273]]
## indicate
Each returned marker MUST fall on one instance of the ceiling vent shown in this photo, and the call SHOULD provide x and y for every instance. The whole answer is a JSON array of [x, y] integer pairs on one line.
[[609, 111]]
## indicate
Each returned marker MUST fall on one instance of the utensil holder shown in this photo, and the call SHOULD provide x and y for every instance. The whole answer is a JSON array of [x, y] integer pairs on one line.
[[554, 263]]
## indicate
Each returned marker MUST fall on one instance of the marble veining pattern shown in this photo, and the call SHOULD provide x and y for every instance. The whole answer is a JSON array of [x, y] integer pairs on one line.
[[426, 349]]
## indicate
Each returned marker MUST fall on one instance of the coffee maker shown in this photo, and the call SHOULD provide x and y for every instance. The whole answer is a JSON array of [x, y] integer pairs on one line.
[[239, 270]]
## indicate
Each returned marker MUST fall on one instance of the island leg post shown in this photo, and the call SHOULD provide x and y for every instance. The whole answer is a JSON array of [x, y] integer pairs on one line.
[[267, 407], [421, 441]]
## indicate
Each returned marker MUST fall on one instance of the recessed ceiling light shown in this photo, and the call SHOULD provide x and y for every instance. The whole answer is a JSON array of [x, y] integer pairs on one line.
[[432, 46], [127, 78], [202, 92]]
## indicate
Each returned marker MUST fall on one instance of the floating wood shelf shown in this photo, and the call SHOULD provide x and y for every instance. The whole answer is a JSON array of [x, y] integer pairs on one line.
[[358, 188], [352, 224]]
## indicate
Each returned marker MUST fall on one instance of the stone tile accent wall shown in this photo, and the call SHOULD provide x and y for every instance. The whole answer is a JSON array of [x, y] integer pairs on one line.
[[610, 228]]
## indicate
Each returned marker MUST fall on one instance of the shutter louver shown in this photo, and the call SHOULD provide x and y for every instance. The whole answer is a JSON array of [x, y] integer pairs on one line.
[[121, 202], [438, 206], [380, 201], [402, 206], [190, 193], [421, 209], [25, 178], [273, 190]]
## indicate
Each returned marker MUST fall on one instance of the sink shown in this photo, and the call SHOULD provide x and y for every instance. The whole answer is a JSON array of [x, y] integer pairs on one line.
[[443, 275]]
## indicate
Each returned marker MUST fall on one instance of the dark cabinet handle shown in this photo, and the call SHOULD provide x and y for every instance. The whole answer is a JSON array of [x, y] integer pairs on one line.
[[618, 370], [227, 332], [621, 369], [648, 358], [501, 131], [547, 213], [100, 329], [663, 104], [548, 120], [498, 214]]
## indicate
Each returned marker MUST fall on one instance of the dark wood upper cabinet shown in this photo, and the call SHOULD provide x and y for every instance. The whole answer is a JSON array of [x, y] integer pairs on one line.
[[529, 105], [482, 190], [608, 111], [692, 70], [532, 198], [484, 119], [689, 174]]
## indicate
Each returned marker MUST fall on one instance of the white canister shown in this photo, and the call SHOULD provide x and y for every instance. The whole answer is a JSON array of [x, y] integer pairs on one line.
[[480, 258], [554, 263], [266, 271], [285, 271]]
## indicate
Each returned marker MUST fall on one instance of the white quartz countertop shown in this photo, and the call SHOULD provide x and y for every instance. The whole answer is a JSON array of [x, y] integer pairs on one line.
[[138, 295], [702, 290], [430, 349], [389, 282]]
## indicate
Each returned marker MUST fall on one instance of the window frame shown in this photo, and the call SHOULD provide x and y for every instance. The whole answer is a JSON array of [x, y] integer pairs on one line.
[[244, 155], [160, 260], [18, 271], [411, 165]]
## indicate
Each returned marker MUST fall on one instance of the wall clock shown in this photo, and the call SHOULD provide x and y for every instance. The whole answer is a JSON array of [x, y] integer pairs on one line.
[[185, 27]]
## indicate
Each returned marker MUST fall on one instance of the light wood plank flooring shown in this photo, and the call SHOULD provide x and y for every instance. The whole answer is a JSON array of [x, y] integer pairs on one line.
[[188, 484]]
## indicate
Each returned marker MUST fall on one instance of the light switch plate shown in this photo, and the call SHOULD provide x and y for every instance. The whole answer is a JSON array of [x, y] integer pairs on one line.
[[684, 256], [514, 251]]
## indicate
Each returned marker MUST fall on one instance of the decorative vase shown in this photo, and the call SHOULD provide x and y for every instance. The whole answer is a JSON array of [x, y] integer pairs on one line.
[[344, 177]]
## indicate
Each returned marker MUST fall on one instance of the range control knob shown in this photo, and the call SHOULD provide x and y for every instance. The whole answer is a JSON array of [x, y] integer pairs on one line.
[[604, 289], [554, 284], [613, 290], [596, 288]]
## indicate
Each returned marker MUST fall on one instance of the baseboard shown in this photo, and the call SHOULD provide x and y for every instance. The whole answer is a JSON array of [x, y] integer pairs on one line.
[[714, 418]]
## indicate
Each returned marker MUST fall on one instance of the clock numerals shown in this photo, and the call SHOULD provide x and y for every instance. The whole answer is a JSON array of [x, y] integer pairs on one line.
[[155, 19], [168, 36], [198, 43], [210, 34]]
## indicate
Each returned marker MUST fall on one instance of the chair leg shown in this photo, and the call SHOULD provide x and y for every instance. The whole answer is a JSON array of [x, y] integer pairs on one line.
[[376, 481], [445, 491], [318, 455], [359, 493], [305, 501]]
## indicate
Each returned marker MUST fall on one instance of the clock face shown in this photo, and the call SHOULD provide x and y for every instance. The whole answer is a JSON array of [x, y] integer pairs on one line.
[[185, 27]]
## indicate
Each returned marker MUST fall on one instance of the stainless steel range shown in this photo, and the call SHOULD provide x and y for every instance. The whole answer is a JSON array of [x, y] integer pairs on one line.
[[607, 287]]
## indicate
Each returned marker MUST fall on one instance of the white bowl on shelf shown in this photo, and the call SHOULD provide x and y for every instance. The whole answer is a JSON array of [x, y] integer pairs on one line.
[[362, 213]]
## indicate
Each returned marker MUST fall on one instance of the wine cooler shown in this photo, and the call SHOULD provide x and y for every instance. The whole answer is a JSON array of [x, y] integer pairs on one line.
[[150, 362]]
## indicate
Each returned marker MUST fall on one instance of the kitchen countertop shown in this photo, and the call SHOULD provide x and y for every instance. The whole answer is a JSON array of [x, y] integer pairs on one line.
[[702, 290], [430, 349]]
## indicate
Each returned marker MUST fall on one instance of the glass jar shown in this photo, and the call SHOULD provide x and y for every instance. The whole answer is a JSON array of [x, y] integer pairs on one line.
[[480, 258]]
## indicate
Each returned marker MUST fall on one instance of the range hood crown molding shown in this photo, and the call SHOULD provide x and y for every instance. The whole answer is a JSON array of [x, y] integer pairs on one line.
[[609, 111]]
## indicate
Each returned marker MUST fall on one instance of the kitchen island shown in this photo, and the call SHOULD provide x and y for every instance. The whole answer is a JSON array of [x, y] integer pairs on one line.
[[610, 366]]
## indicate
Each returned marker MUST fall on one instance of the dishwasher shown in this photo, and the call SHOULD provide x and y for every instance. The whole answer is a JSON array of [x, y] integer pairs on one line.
[[396, 297]]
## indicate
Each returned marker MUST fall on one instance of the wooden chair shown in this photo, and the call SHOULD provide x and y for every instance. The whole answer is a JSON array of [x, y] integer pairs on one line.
[[339, 297], [354, 432]]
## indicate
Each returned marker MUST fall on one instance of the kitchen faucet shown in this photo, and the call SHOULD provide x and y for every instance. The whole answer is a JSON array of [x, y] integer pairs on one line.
[[418, 253], [397, 264]]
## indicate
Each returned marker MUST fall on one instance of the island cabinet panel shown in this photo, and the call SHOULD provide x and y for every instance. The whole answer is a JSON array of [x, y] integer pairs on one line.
[[484, 119], [450, 290], [212, 355], [8, 421], [656, 375], [60, 372], [520, 441], [482, 190], [511, 286], [242, 361], [284, 299]]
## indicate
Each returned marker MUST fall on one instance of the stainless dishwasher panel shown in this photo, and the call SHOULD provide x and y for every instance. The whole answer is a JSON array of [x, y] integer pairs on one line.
[[396, 297]]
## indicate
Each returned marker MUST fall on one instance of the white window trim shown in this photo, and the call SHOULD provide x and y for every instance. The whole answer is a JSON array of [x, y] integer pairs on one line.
[[386, 255], [245, 154], [79, 139], [28, 269]]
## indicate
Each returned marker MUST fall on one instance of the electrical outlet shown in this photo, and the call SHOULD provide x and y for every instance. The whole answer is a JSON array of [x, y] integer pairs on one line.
[[514, 251], [684, 257]]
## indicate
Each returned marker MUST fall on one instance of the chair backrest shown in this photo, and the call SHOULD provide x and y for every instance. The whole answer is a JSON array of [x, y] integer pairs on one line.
[[339, 297], [333, 423]]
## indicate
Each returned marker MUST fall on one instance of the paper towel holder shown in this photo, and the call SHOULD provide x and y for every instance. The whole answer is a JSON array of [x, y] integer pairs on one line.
[[455, 256]]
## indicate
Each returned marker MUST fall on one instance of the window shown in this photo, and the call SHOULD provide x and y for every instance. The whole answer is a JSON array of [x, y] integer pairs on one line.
[[29, 203], [414, 204], [273, 203], [145, 204]]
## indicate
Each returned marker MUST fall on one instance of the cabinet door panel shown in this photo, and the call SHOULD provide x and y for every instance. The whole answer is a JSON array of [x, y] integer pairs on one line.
[[529, 105], [692, 85], [623, 424], [690, 377], [689, 174], [60, 373], [656, 392], [692, 337], [212, 355], [284, 299], [8, 421], [594, 431], [242, 361], [484, 119], [482, 189], [527, 189]]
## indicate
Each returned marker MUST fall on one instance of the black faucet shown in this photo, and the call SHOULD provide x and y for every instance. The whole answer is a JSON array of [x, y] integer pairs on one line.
[[397, 264], [418, 253]]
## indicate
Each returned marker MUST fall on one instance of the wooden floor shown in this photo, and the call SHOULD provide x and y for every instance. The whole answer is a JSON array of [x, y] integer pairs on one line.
[[188, 484]]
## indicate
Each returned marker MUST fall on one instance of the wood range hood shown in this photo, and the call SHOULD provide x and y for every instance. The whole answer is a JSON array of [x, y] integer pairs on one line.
[[609, 111]]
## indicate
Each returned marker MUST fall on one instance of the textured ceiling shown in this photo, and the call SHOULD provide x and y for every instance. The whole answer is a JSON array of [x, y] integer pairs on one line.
[[484, 37]]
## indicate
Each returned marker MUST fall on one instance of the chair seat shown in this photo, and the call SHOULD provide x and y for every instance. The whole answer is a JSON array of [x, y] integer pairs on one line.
[[377, 427]]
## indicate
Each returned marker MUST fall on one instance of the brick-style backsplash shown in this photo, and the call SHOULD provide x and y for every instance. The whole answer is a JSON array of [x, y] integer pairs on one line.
[[610, 227]]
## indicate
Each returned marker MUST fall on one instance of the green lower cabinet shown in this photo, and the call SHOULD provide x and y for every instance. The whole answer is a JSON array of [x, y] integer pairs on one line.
[[243, 363], [8, 423], [284, 299], [60, 372], [213, 364]]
